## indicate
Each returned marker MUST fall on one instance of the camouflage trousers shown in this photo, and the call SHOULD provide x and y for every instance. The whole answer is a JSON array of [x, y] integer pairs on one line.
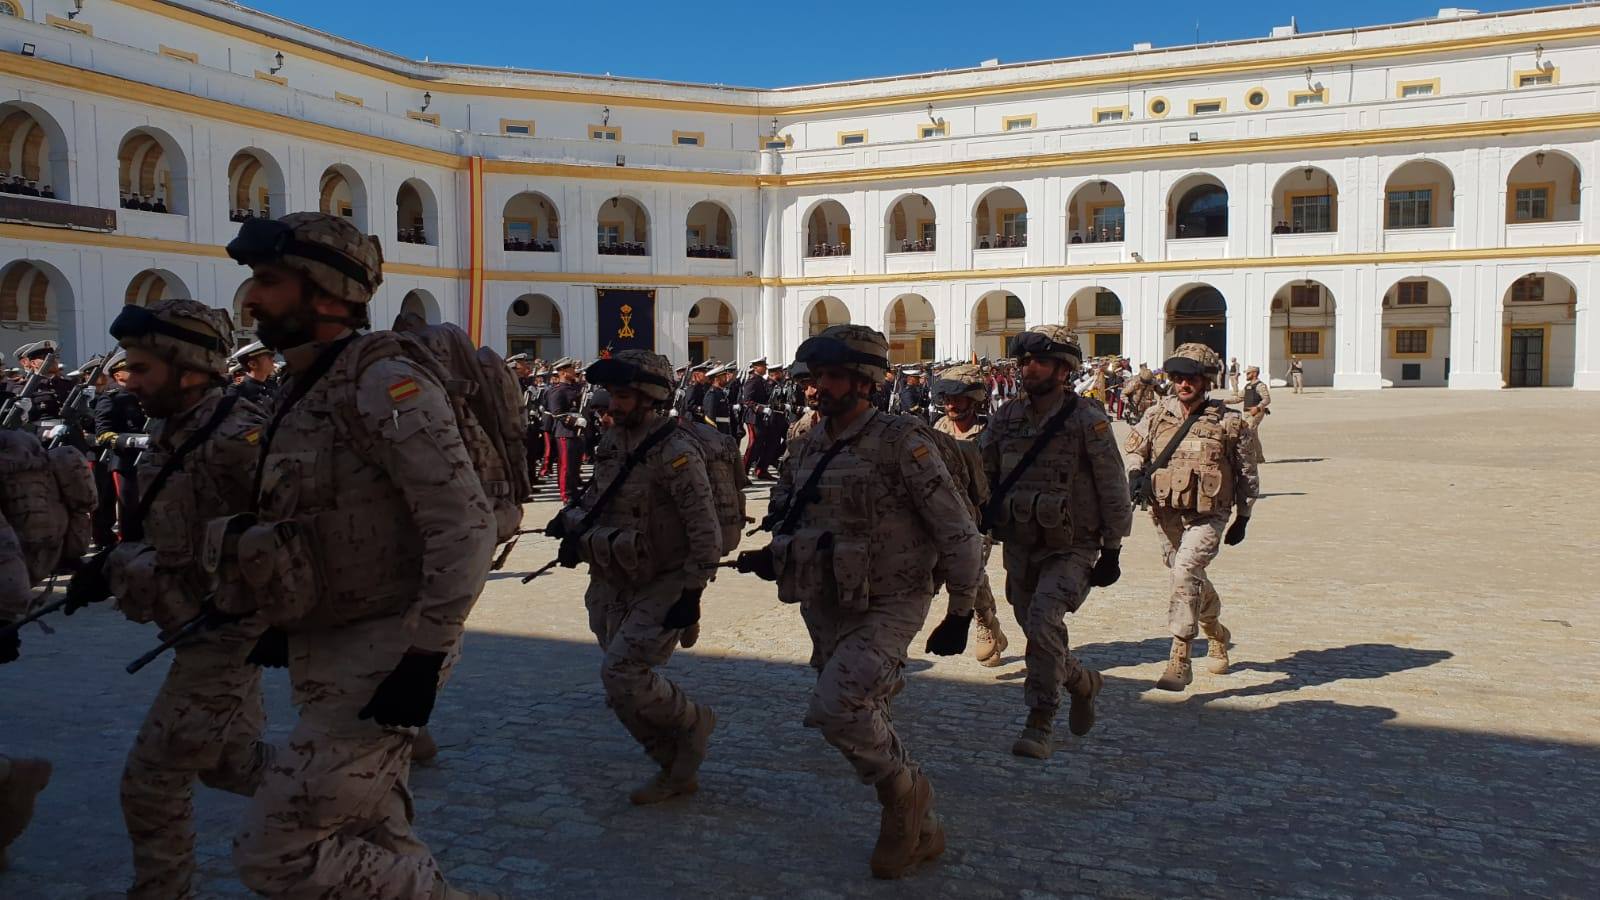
[[333, 815], [206, 721], [1043, 586], [1190, 542], [627, 623], [863, 655]]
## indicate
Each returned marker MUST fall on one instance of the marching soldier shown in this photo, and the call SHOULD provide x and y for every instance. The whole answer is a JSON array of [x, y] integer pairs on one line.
[[754, 395], [1060, 511], [1257, 403], [963, 390], [53, 389], [561, 401], [717, 406], [651, 547], [1192, 461], [370, 546], [117, 412], [870, 510], [208, 716]]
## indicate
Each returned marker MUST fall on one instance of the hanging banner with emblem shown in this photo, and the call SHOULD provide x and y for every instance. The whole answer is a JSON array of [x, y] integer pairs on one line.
[[627, 319]]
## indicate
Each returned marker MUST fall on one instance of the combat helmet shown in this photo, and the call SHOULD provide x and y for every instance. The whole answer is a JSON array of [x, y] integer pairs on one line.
[[329, 250], [185, 333], [965, 380], [1193, 358], [857, 348], [648, 373], [1047, 342]]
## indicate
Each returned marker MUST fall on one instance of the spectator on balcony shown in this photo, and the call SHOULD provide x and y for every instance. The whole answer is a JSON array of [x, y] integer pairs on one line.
[[159, 206]]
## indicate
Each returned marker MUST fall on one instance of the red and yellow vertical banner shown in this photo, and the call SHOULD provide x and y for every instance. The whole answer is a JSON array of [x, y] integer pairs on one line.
[[475, 272]]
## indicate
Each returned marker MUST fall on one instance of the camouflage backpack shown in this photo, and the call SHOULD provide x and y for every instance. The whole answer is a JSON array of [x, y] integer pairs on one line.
[[726, 472]]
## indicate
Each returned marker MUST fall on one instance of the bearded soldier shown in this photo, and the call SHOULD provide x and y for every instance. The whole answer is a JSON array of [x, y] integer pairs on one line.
[[1193, 461], [207, 718], [371, 543], [1060, 509], [868, 510], [962, 390], [648, 531]]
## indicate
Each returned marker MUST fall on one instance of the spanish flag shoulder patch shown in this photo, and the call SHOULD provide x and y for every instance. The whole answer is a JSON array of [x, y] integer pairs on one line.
[[920, 451], [253, 436], [680, 462], [1101, 427], [404, 389]]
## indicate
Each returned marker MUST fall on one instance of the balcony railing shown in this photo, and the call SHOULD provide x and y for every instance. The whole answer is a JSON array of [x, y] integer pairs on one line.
[[1001, 241], [56, 213], [623, 248], [518, 245], [709, 251]]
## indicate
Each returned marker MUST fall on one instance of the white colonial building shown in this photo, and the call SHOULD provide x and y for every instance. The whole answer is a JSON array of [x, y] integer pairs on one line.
[[1408, 205]]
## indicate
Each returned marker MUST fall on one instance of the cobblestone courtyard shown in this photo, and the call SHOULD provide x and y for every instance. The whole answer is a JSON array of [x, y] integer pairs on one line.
[[1412, 712]]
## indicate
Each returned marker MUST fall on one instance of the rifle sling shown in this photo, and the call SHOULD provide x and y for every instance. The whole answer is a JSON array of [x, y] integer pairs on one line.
[[628, 464], [1172, 447], [1051, 427], [302, 386], [802, 499], [133, 528]]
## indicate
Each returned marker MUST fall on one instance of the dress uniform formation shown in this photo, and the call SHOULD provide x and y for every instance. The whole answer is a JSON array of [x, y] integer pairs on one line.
[[342, 524]]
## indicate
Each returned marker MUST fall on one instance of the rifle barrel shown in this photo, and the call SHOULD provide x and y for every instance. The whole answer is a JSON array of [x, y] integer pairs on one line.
[[541, 570], [194, 625], [34, 616]]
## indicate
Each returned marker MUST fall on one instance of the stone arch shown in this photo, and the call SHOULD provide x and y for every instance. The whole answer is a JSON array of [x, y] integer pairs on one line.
[[909, 324], [1538, 320], [709, 231], [996, 317], [533, 326], [531, 224], [1094, 314], [1544, 186], [1419, 194], [1096, 214], [340, 192], [1000, 219], [910, 225], [713, 330], [255, 186], [1304, 327], [418, 302], [1305, 200], [33, 150], [416, 213], [154, 284], [623, 227], [37, 295], [823, 312], [827, 229], [1416, 333], [152, 171], [1197, 207], [1197, 313], [244, 324]]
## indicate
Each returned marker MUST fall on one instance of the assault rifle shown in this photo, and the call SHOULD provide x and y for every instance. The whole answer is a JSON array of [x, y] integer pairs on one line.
[[16, 409], [74, 410], [894, 390], [208, 619]]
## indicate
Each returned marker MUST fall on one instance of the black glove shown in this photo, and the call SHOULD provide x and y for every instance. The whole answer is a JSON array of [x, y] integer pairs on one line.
[[10, 644], [950, 637], [558, 526], [758, 563], [685, 612], [406, 696], [88, 584], [1107, 569], [1140, 490], [1236, 531], [568, 553], [271, 650]]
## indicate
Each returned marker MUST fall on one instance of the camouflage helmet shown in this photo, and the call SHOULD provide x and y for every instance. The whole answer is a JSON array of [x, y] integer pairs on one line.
[[329, 250], [1047, 342], [857, 348], [648, 373], [1193, 359], [186, 333], [965, 380]]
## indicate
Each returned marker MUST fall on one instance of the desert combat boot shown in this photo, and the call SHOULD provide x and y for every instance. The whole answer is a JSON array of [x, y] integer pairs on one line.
[[1035, 742], [1217, 638], [990, 643], [909, 831], [1179, 673], [679, 775]]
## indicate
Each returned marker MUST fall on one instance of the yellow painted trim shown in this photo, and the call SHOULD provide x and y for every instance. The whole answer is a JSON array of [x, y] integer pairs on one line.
[[852, 134], [399, 268], [1544, 356], [574, 278], [1433, 203], [1400, 87], [1019, 123], [597, 132], [183, 55], [698, 137], [1320, 93], [1265, 97], [1288, 343], [1554, 74], [83, 28], [611, 173], [351, 99], [1127, 114], [1151, 107], [1222, 106], [786, 139], [1394, 341], [270, 78], [517, 123], [420, 116], [1549, 200], [928, 130]]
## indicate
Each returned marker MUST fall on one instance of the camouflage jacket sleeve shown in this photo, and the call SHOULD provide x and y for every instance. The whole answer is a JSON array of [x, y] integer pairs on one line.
[[783, 489], [420, 449], [989, 452], [945, 517], [680, 467], [1246, 477], [1110, 479], [1137, 447], [14, 588]]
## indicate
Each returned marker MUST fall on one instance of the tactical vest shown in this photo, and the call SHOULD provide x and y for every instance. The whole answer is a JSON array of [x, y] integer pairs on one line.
[[1054, 504], [32, 502], [640, 534], [862, 536], [1252, 397], [1199, 477]]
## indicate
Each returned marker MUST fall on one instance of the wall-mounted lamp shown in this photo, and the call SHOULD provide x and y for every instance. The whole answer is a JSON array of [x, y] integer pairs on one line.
[[1538, 49], [427, 98], [931, 117], [1307, 171], [1194, 136], [28, 49], [774, 126], [1137, 257], [615, 201], [605, 115], [76, 10], [1538, 159], [1103, 185], [1310, 82], [278, 58], [621, 160]]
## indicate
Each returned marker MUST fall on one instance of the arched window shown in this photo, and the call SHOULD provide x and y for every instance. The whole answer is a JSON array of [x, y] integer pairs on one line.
[[1202, 213]]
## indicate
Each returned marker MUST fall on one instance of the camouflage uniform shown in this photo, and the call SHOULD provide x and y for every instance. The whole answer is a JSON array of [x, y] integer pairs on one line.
[[208, 716], [656, 540], [1060, 515], [397, 551], [860, 560], [968, 379], [1212, 473]]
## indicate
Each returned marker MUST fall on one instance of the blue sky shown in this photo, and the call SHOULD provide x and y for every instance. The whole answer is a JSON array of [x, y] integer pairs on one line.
[[770, 45]]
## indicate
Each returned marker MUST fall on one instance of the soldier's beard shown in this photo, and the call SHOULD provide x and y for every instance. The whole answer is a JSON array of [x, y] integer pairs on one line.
[[291, 329], [829, 405]]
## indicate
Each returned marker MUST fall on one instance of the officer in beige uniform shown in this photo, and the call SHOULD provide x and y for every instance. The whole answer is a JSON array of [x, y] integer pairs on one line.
[[1193, 461], [869, 510], [648, 529], [371, 543], [962, 391], [1257, 404], [1060, 513], [207, 718]]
